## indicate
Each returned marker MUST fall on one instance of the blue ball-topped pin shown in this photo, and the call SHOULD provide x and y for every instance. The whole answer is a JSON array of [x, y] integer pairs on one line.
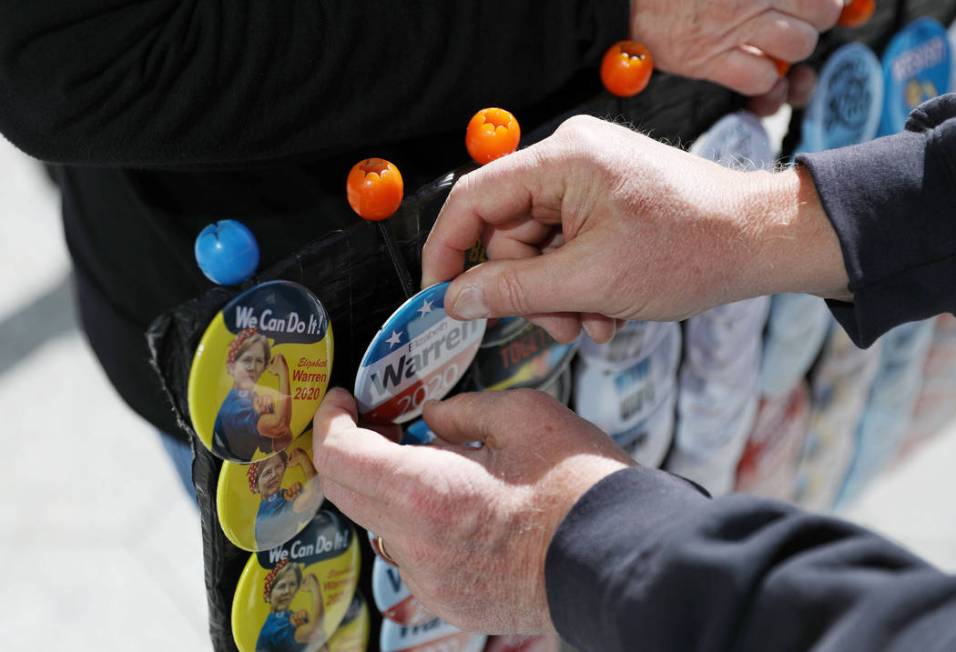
[[227, 252]]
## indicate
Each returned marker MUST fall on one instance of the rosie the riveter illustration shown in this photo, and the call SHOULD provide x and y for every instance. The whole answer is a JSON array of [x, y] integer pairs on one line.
[[283, 630], [251, 416], [283, 512]]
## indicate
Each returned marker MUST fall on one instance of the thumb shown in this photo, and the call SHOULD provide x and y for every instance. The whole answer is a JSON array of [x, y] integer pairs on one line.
[[556, 281]]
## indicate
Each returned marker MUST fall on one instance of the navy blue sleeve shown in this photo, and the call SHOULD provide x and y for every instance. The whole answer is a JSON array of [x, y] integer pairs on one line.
[[645, 562], [892, 203]]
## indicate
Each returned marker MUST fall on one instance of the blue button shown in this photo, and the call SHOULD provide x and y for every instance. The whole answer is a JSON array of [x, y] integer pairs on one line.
[[917, 67], [227, 252], [845, 109]]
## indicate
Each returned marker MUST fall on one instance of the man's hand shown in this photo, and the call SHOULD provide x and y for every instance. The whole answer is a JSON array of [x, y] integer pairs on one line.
[[598, 223], [731, 42], [469, 528]]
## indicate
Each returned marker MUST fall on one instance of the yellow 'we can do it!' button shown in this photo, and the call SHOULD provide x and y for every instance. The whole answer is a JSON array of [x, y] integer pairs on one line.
[[260, 371], [264, 504], [295, 596]]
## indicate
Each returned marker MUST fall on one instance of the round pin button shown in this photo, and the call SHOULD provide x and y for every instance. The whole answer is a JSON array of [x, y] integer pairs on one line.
[[353, 633], [517, 353], [419, 354], [392, 597], [738, 141], [260, 371], [435, 634], [917, 66], [294, 596], [846, 105], [264, 504]]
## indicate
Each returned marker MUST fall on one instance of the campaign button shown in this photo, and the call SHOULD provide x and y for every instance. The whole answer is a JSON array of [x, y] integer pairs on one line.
[[392, 597], [846, 105], [294, 596], [264, 504], [560, 387], [519, 354], [435, 634], [917, 65], [420, 353], [260, 371], [353, 633], [737, 141]]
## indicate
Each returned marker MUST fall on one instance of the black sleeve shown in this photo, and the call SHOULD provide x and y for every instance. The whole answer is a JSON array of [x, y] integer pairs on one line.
[[892, 202], [645, 562], [170, 82]]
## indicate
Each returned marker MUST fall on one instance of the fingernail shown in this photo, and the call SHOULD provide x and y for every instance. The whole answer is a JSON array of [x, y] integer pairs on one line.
[[587, 330], [470, 303]]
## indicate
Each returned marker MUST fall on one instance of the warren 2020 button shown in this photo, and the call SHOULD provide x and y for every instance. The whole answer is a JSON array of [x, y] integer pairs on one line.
[[353, 632], [260, 371], [435, 634], [419, 354], [846, 105], [917, 66], [264, 504], [392, 597], [294, 597]]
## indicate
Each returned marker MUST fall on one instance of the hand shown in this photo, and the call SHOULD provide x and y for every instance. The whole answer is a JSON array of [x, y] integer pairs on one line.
[[263, 404], [310, 584], [469, 528], [298, 456], [278, 365], [731, 42], [796, 89], [599, 222], [293, 491]]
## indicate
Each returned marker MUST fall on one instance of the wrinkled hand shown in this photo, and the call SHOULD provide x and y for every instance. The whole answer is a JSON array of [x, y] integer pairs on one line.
[[598, 223], [468, 527], [263, 404], [731, 42], [278, 365]]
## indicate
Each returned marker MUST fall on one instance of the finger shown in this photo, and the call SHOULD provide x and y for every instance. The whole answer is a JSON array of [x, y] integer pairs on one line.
[[524, 240], [370, 514], [769, 103], [742, 70], [465, 418], [539, 285], [504, 190], [822, 14], [598, 327], [359, 459], [803, 81], [780, 35], [563, 327]]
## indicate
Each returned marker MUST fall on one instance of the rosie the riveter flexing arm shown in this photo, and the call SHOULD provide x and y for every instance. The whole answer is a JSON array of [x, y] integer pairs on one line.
[[549, 525]]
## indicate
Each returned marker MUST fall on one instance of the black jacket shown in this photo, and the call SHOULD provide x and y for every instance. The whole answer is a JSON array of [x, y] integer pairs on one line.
[[645, 561]]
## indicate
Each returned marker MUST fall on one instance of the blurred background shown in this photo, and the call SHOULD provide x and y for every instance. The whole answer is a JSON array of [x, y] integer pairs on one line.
[[100, 542]]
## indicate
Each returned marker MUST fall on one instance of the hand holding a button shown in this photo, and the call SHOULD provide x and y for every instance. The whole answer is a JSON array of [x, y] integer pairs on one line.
[[455, 518], [598, 223], [731, 42]]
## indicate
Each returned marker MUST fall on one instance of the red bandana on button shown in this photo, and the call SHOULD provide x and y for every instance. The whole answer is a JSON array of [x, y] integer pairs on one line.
[[237, 343], [271, 577]]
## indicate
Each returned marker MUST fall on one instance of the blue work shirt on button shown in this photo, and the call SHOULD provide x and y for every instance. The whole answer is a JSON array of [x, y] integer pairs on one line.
[[278, 634], [236, 428]]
